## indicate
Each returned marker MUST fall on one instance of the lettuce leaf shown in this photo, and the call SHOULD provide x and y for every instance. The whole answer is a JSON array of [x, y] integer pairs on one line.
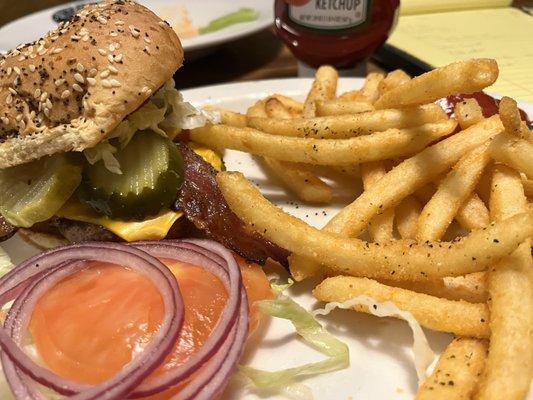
[[165, 113], [311, 331], [422, 353]]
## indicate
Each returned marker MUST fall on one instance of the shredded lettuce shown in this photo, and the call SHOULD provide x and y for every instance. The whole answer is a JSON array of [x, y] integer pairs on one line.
[[422, 353], [311, 331], [165, 113]]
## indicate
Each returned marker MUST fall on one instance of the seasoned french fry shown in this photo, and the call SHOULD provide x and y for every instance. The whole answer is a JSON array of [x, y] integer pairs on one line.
[[378, 146], [275, 109], [468, 112], [257, 110], [344, 126], [300, 181], [510, 362], [324, 88], [510, 116], [228, 117], [368, 93], [295, 107], [407, 214], [457, 372], [528, 187], [341, 107], [295, 177], [400, 182], [452, 192], [516, 153], [400, 259], [381, 226], [460, 77], [392, 80], [458, 317], [473, 213]]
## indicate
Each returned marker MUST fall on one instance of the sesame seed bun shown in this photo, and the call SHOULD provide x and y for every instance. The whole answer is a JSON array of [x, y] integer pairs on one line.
[[68, 90]]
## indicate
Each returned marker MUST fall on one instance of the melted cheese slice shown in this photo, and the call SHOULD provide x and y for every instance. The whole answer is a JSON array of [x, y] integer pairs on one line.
[[155, 228]]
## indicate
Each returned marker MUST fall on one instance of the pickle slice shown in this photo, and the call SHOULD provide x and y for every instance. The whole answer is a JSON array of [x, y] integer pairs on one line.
[[34, 192], [152, 174]]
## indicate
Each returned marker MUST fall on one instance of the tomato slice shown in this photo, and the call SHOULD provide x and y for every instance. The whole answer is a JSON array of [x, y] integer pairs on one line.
[[88, 326]]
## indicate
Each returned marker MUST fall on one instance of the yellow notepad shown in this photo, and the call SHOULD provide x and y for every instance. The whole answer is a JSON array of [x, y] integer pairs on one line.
[[505, 34]]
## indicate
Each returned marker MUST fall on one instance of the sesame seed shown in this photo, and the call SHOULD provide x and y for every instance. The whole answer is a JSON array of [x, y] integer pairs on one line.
[[22, 124], [118, 58], [75, 37], [32, 67], [104, 74], [42, 52], [48, 103], [162, 23], [5, 120], [106, 83], [119, 22], [59, 82], [44, 96], [147, 49], [145, 89], [65, 94], [12, 91], [37, 93], [9, 99], [102, 52], [147, 40], [93, 72], [32, 114], [77, 88], [9, 70], [91, 81], [79, 78], [115, 83], [58, 50], [22, 58], [17, 70], [46, 112], [80, 67], [110, 58], [85, 38], [111, 47], [102, 20], [18, 118], [112, 69], [113, 34]]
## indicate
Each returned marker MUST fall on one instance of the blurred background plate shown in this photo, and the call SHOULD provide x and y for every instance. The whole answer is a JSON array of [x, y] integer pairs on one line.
[[33, 26]]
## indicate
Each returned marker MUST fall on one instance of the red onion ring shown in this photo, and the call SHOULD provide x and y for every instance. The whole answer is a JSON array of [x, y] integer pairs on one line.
[[218, 356], [140, 367]]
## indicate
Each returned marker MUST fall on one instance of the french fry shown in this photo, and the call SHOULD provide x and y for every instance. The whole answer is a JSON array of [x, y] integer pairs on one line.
[[381, 226], [344, 126], [510, 116], [457, 371], [228, 117], [341, 107], [473, 213], [460, 77], [407, 214], [510, 361], [295, 177], [468, 113], [295, 107], [458, 317], [275, 109], [324, 88], [528, 187], [368, 93], [516, 153], [452, 192], [470, 287], [257, 110], [400, 182], [392, 80], [399, 260], [378, 146]]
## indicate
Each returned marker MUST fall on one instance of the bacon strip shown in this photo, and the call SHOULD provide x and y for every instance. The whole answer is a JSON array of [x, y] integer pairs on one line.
[[203, 204]]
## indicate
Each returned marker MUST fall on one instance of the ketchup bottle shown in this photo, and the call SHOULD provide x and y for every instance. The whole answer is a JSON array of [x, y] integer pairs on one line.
[[342, 33]]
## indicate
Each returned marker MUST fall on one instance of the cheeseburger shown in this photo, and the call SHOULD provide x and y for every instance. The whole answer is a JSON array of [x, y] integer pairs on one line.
[[90, 144]]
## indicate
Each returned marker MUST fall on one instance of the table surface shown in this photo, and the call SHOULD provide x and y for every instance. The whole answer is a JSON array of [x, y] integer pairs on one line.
[[231, 62]]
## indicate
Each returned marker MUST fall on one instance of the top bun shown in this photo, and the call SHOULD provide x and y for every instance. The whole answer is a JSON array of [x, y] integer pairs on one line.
[[68, 90]]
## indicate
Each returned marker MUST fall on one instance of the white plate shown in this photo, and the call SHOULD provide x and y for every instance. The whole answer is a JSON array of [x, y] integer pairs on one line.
[[33, 26], [381, 364]]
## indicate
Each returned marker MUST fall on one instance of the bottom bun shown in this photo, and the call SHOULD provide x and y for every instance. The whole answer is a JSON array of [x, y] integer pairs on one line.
[[43, 241]]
